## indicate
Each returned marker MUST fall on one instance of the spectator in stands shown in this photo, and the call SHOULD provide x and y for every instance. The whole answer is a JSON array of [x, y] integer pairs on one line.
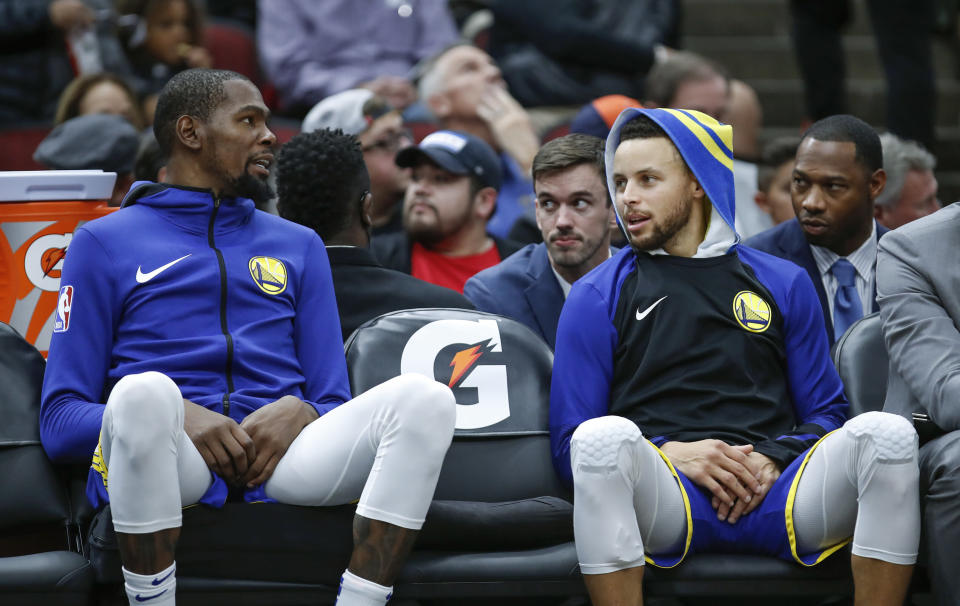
[[323, 184], [150, 163], [744, 113], [694, 406], [464, 89], [277, 422], [574, 215], [379, 128], [920, 308], [686, 80], [596, 118], [837, 175], [566, 53], [99, 94], [312, 50], [451, 196], [45, 45], [93, 142], [903, 32], [774, 176], [911, 190], [161, 38]]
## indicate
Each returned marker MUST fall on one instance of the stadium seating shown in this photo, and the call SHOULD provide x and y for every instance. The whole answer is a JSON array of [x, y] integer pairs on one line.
[[40, 564], [500, 529]]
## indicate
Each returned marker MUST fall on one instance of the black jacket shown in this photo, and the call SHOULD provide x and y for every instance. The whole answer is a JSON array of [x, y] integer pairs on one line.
[[365, 289], [393, 250]]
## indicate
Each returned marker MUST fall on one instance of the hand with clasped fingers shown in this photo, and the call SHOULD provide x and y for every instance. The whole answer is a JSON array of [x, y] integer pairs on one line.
[[738, 477], [247, 453]]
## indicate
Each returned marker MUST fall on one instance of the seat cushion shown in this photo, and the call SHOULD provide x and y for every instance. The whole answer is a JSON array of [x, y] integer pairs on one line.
[[313, 544], [55, 577]]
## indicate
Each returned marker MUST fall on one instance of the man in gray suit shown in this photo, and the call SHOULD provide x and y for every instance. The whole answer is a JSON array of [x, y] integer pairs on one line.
[[918, 288]]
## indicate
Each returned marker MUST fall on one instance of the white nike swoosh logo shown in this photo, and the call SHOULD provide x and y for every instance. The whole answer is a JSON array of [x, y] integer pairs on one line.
[[642, 315], [143, 278]]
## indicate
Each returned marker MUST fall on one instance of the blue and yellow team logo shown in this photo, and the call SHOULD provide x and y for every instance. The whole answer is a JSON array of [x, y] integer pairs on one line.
[[269, 274], [751, 312]]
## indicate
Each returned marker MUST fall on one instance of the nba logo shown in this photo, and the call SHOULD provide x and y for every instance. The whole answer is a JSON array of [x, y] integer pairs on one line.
[[64, 302]]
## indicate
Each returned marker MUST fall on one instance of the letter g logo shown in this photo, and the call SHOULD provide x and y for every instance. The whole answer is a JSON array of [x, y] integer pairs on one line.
[[420, 356]]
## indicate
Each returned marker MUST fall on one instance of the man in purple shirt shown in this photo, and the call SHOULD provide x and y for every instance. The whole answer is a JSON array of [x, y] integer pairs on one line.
[[311, 50]]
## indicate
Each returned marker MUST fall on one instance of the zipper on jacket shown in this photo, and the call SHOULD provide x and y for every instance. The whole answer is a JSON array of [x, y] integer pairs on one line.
[[223, 307]]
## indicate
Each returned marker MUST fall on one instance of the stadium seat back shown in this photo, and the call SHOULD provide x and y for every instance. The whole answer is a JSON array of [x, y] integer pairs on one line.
[[862, 362], [37, 566], [500, 374], [35, 494]]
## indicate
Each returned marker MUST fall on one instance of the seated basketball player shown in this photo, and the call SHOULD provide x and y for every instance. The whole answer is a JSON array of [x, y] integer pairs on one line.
[[210, 330], [694, 406]]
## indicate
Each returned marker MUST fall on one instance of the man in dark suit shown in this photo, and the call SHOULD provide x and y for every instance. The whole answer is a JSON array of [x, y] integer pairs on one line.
[[836, 177], [323, 184], [573, 213]]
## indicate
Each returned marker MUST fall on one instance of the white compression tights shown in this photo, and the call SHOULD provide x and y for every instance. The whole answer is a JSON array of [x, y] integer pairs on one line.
[[626, 500], [385, 446]]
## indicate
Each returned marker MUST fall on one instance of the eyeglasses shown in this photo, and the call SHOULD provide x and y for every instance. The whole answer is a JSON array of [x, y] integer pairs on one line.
[[390, 142]]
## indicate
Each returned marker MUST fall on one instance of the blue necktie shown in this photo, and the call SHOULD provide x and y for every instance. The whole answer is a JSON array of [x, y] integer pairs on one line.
[[847, 307]]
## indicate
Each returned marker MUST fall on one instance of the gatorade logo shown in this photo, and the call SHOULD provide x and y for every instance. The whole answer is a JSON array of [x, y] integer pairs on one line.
[[455, 352]]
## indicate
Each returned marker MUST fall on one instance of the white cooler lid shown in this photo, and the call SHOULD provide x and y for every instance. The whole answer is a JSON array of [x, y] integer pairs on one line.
[[34, 185]]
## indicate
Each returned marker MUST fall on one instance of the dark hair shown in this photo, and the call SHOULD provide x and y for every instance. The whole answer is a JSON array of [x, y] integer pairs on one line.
[[663, 80], [567, 151], [775, 153], [844, 128], [193, 92], [69, 104], [641, 127], [149, 158], [321, 177]]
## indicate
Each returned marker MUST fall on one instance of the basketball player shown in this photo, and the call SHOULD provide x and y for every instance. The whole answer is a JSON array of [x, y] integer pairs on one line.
[[694, 406], [212, 332]]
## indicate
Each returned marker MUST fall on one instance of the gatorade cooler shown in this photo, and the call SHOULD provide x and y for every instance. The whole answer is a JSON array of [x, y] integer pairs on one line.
[[39, 211]]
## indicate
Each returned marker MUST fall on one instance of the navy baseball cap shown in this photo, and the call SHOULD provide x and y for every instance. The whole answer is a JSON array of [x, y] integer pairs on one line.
[[457, 152]]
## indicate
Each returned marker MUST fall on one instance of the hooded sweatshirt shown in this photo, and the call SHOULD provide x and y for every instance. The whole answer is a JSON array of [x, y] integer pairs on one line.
[[726, 344], [234, 305]]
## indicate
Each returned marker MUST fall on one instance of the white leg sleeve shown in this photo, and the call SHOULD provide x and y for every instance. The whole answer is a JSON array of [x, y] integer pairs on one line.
[[153, 468], [625, 498], [385, 446], [871, 460]]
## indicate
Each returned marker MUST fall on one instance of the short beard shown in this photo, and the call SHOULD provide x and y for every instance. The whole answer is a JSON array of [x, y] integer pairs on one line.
[[248, 186], [667, 228]]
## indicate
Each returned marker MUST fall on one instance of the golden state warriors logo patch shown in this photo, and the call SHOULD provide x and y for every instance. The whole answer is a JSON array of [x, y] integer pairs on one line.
[[269, 274], [751, 312]]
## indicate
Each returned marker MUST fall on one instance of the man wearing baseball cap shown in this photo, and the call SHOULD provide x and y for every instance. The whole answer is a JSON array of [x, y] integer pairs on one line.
[[379, 128], [452, 194]]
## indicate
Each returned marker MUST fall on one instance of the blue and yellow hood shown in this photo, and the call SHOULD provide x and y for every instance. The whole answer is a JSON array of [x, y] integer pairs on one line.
[[706, 145]]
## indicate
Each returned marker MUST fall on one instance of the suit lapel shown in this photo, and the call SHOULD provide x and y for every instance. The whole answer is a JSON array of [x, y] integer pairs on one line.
[[544, 295], [797, 250]]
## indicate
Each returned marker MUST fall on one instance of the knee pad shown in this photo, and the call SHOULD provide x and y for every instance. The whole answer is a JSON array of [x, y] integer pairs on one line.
[[892, 437], [424, 406], [597, 442], [145, 404]]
